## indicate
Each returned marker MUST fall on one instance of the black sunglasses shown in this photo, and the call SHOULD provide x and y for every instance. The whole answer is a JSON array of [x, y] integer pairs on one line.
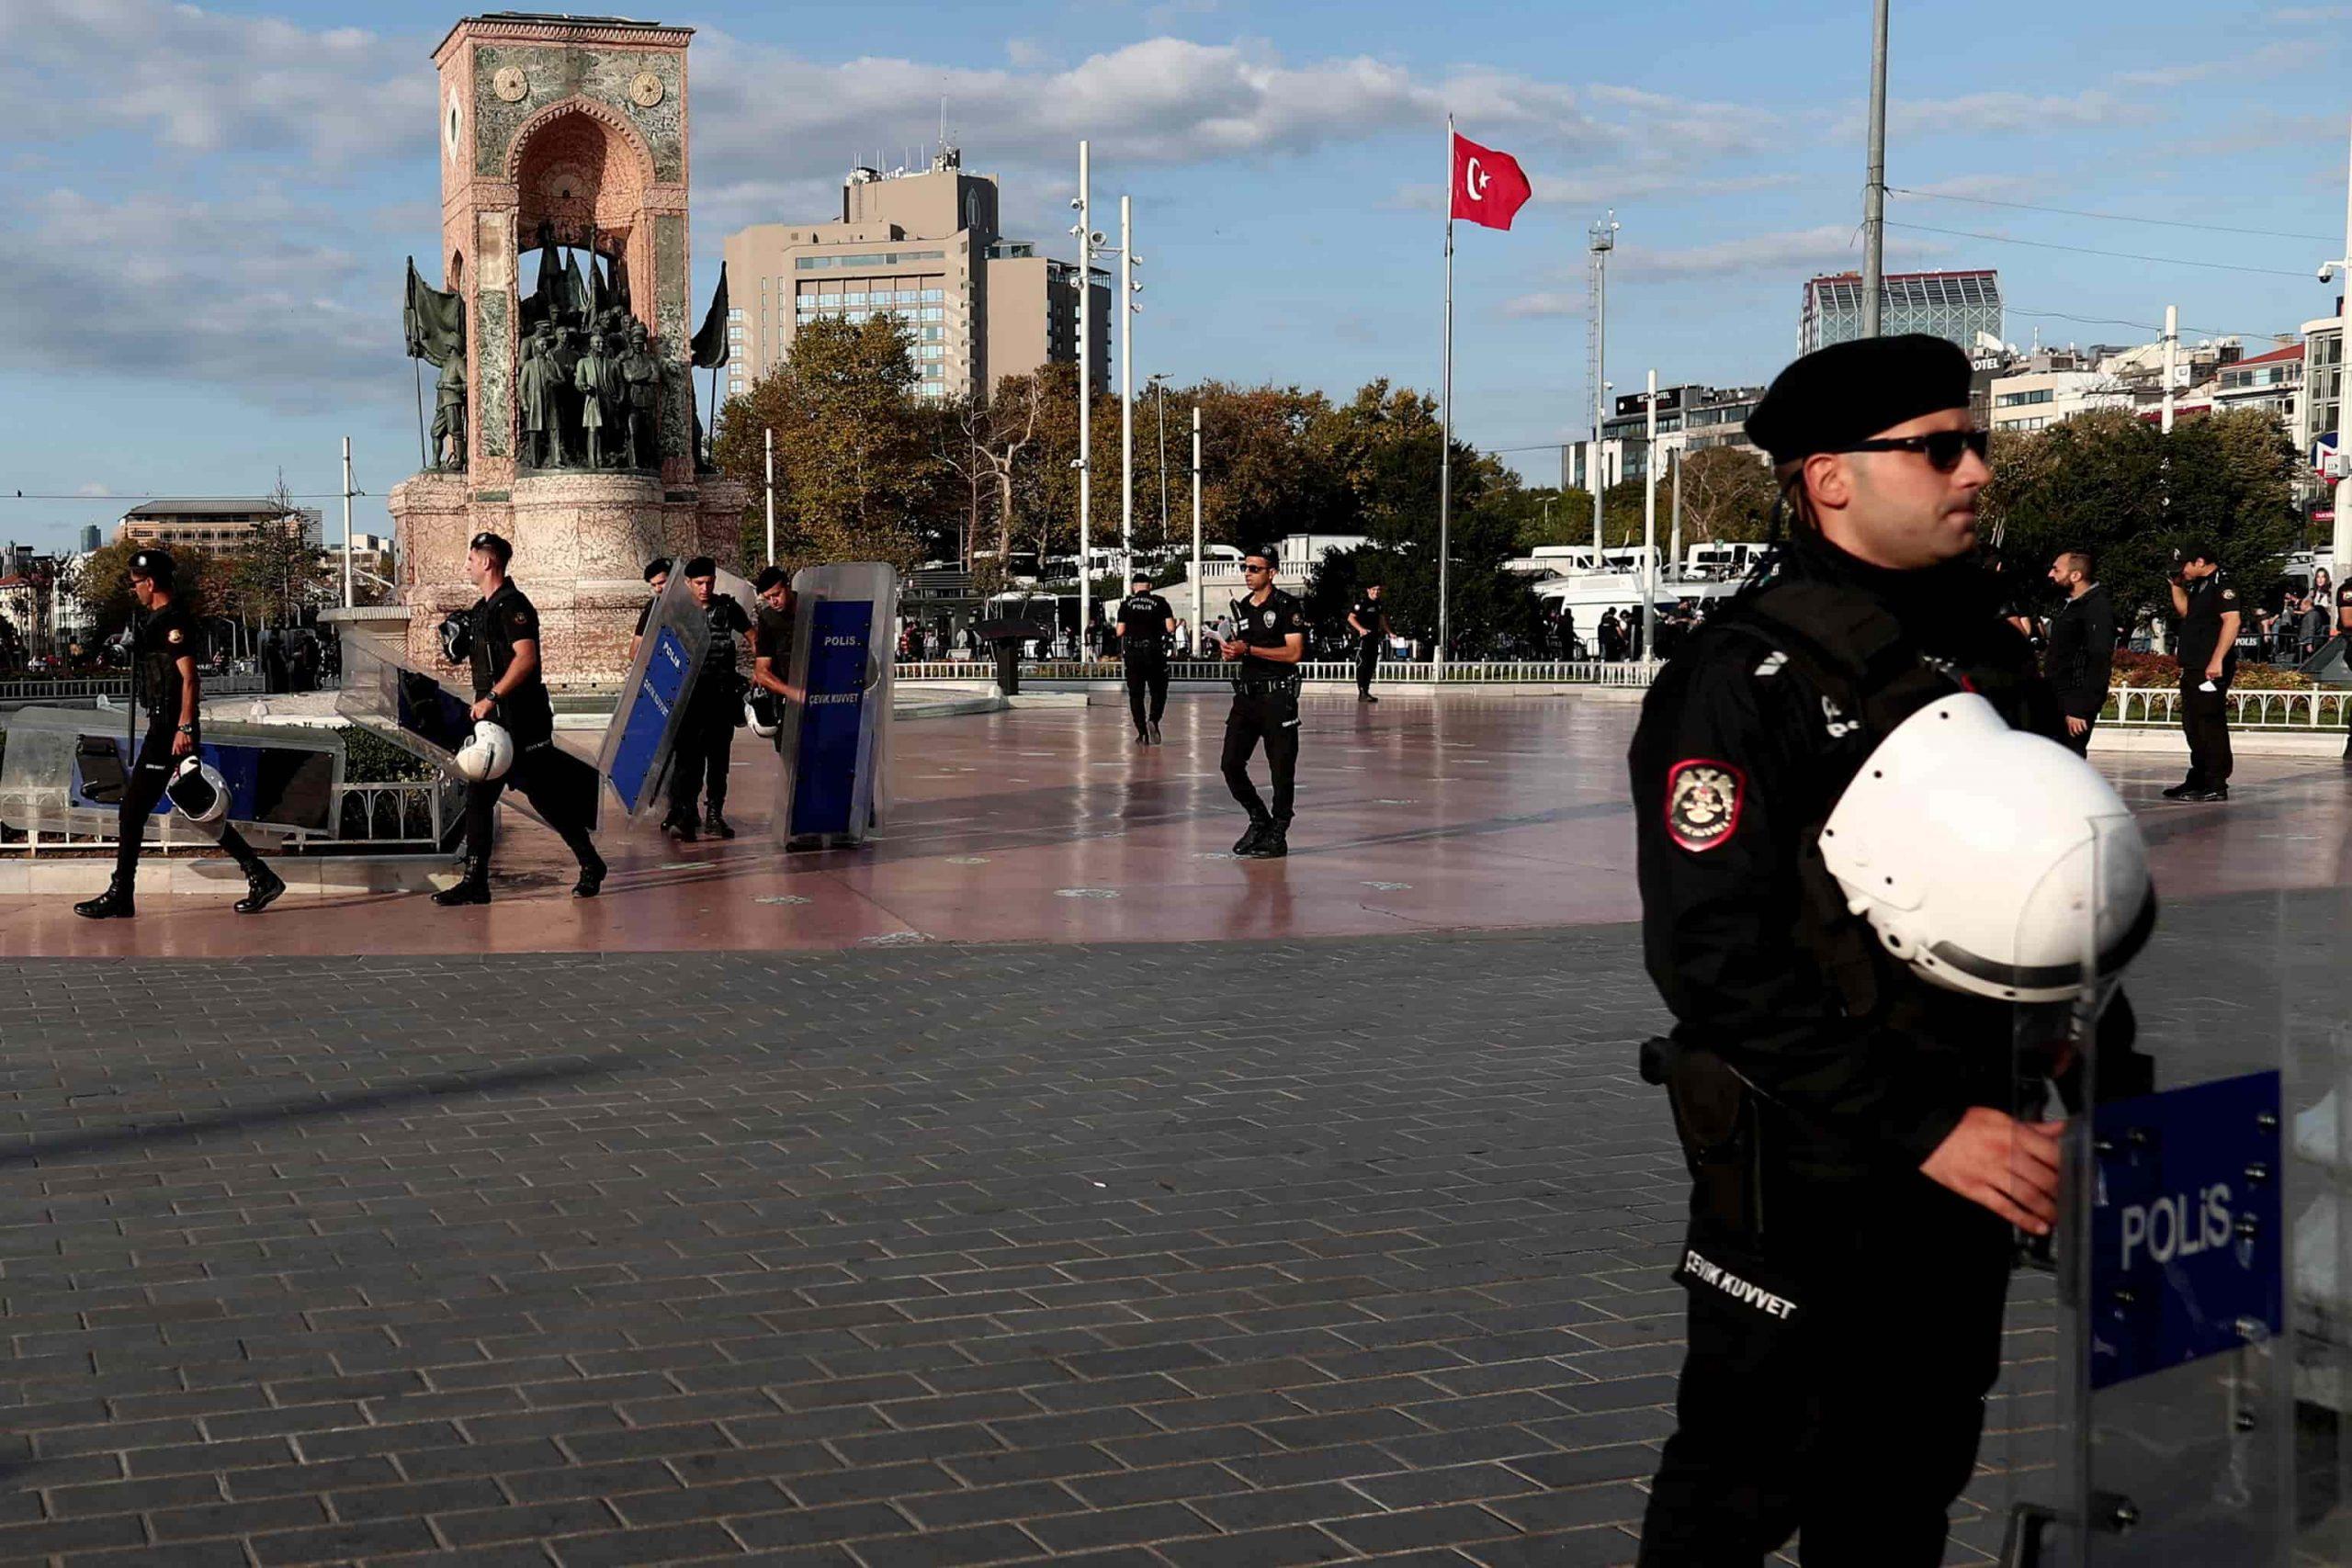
[[1943, 448]]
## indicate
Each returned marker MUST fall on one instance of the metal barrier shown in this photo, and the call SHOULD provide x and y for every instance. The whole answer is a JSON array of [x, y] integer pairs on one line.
[[2312, 708], [88, 687], [408, 815], [1316, 671]]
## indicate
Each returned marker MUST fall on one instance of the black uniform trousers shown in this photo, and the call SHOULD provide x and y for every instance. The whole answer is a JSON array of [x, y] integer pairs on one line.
[[530, 774], [1268, 713], [1146, 677], [2205, 720], [1367, 660], [705, 746], [1855, 1423], [141, 792]]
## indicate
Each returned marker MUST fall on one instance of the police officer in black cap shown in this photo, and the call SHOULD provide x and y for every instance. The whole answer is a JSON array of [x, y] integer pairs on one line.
[[657, 579], [167, 646], [1145, 622], [1857, 1170], [2210, 615], [502, 646], [1368, 619], [1270, 638], [700, 756]]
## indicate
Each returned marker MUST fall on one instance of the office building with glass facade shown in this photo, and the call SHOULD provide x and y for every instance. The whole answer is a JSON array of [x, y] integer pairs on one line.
[[1953, 305]]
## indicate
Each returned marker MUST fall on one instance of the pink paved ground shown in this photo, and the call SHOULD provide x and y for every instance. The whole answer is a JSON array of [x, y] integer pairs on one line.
[[1048, 825]]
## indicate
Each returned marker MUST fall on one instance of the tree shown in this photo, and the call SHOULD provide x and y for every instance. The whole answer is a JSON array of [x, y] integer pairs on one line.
[[275, 573], [981, 443], [1727, 496], [102, 584], [857, 472]]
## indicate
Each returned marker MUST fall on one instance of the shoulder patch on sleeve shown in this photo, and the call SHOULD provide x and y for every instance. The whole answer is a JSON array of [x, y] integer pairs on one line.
[[176, 636], [519, 619], [1703, 802], [2229, 595], [1774, 662]]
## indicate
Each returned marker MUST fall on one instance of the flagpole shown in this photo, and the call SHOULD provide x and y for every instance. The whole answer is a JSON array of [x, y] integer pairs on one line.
[[1446, 421]]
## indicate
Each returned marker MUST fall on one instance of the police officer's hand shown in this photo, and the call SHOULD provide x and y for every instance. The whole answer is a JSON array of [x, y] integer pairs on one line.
[[2077, 726], [482, 710], [1231, 648], [2005, 1165], [183, 744]]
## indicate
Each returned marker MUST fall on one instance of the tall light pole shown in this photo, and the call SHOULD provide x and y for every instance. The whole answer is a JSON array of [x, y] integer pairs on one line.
[[1649, 523], [1128, 287], [1197, 525], [346, 522], [1875, 193], [1159, 385], [1085, 232], [2172, 350], [771, 495], [1602, 240], [2339, 549]]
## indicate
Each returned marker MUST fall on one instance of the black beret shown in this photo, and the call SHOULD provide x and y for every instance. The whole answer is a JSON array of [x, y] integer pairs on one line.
[[491, 543], [1852, 391], [702, 566], [156, 566]]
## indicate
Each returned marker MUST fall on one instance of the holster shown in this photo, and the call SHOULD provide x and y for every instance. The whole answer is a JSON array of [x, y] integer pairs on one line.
[[1716, 1116]]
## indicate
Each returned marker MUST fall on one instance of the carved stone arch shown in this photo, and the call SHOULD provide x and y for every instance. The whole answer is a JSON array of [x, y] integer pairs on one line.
[[611, 118]]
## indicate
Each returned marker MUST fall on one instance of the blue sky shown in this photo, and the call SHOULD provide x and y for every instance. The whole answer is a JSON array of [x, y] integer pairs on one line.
[[210, 204]]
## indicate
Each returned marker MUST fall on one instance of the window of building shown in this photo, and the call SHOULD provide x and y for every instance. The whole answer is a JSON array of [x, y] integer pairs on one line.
[[934, 314], [931, 293]]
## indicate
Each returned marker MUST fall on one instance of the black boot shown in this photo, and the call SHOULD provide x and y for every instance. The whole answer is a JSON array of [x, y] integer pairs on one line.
[[680, 825], [1272, 844], [2187, 789], [263, 887], [715, 825], [1156, 740], [113, 904], [472, 888], [591, 874], [1258, 828]]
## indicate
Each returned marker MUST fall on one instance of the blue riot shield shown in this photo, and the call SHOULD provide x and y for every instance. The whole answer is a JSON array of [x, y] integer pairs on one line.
[[2175, 1362], [65, 769], [834, 741]]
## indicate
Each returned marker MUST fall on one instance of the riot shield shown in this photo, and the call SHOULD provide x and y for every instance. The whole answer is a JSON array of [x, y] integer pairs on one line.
[[427, 715], [2152, 1355], [834, 742], [635, 754], [64, 771]]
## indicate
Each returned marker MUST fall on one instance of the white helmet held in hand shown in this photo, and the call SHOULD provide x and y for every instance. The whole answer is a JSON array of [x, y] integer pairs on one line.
[[488, 755], [198, 791], [1991, 860]]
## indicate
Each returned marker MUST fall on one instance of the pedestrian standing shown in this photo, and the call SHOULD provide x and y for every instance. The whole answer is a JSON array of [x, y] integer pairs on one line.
[[1270, 638], [700, 755], [2209, 613], [502, 644], [1369, 621], [166, 644], [2081, 653]]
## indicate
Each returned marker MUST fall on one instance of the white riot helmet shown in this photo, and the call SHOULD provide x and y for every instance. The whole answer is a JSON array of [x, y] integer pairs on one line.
[[1971, 847], [488, 755], [760, 712], [198, 791]]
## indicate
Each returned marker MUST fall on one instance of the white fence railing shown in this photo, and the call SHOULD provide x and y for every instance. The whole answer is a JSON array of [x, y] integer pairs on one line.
[[86, 688], [406, 816], [1392, 672], [2308, 709]]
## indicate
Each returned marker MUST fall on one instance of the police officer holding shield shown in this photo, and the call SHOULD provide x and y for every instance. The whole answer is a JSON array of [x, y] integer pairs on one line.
[[657, 579], [1846, 1113], [705, 741], [166, 648], [772, 632], [1270, 638], [1144, 622], [500, 642]]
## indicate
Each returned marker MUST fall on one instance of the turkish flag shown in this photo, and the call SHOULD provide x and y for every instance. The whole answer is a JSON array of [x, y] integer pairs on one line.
[[1489, 187]]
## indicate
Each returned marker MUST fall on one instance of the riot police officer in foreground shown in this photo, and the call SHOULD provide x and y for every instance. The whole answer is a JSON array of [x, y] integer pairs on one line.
[[164, 653], [1144, 622], [502, 644], [1846, 1113], [1270, 638]]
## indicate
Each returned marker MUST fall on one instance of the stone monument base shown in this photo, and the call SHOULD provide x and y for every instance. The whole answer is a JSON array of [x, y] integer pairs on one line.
[[580, 543]]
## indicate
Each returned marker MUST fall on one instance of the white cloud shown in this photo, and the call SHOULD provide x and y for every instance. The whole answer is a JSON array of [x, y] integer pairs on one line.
[[91, 487], [2266, 60], [201, 82], [1827, 247], [2003, 112], [1545, 303]]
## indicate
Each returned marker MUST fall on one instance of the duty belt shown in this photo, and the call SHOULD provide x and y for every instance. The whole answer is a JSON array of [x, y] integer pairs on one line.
[[1258, 685]]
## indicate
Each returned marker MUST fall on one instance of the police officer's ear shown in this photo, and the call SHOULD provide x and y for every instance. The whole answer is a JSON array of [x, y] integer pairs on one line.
[[1826, 477]]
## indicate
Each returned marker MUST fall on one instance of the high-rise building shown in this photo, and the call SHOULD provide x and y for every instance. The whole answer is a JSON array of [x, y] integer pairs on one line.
[[211, 523], [923, 246], [1958, 306], [89, 538]]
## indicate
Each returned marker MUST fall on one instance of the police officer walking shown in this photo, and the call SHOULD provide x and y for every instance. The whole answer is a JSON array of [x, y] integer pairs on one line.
[[166, 651], [1369, 622], [1856, 1167], [2208, 612], [705, 740], [501, 645], [1270, 638], [1144, 622], [2081, 655]]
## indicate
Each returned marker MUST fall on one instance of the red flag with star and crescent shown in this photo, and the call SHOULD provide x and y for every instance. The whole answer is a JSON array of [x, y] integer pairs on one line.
[[1489, 187]]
